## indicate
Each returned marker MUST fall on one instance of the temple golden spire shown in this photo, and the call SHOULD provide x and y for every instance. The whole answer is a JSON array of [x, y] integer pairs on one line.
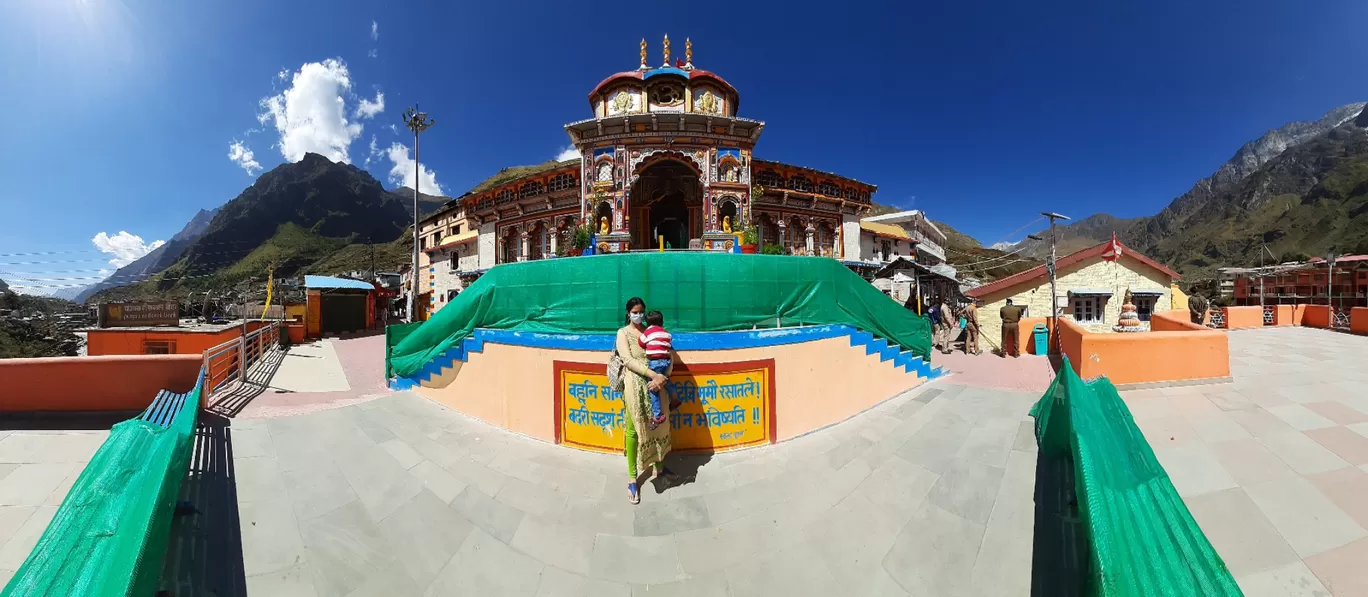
[[643, 53], [688, 53], [667, 50]]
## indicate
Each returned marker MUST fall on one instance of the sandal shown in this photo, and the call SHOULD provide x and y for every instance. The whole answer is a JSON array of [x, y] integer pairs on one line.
[[633, 493]]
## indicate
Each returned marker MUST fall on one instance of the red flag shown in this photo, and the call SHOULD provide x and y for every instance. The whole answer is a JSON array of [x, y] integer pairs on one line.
[[1113, 251]]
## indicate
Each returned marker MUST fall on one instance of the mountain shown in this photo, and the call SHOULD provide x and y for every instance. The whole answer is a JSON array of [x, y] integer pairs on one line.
[[1300, 189], [292, 217], [156, 260], [972, 260]]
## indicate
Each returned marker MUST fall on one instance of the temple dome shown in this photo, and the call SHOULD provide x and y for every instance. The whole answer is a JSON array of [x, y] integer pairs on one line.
[[666, 89]]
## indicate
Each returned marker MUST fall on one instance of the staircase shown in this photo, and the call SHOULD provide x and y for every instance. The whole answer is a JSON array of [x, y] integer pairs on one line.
[[454, 357]]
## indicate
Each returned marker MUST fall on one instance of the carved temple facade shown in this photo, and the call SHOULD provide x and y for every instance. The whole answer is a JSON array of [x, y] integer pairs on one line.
[[665, 159]]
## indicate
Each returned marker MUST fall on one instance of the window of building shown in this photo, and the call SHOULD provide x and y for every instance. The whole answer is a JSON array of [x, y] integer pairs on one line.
[[1144, 305], [422, 242], [561, 182], [800, 183], [829, 189], [159, 347], [604, 172], [451, 294], [504, 196], [485, 202], [1087, 309], [769, 179], [851, 194], [531, 189]]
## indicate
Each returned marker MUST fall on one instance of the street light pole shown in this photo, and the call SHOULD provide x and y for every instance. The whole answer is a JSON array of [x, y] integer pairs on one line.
[[417, 122], [1050, 267]]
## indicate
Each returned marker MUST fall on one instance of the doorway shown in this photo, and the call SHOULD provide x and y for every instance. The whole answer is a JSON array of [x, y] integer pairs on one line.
[[667, 199]]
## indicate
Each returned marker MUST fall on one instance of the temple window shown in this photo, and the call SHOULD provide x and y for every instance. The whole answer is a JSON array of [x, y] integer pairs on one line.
[[800, 183], [829, 189], [769, 179], [531, 189], [851, 194], [561, 182], [604, 172], [504, 196]]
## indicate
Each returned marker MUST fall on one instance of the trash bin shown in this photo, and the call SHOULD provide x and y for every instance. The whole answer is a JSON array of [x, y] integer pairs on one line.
[[1042, 339]]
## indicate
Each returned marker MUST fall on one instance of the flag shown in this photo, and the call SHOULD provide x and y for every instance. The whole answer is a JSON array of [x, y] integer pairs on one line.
[[1113, 251]]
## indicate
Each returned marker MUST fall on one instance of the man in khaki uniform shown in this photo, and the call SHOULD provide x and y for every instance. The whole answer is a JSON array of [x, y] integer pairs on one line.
[[971, 328], [1011, 318]]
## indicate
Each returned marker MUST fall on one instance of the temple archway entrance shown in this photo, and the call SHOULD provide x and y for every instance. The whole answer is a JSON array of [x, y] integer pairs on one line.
[[667, 201]]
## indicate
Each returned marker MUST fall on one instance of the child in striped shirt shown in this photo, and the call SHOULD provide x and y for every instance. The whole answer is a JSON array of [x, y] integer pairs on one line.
[[657, 343]]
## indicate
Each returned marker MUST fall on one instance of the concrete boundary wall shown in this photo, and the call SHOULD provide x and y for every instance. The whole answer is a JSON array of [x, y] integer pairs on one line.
[[1243, 317], [820, 378], [93, 384], [1161, 355]]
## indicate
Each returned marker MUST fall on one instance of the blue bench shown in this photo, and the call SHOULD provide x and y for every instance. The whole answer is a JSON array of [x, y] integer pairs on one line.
[[162, 411]]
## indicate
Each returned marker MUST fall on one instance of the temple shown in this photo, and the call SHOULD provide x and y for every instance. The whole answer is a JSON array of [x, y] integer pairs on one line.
[[665, 161]]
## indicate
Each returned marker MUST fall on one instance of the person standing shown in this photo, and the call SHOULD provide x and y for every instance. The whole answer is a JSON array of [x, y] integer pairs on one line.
[[1011, 320], [971, 328], [933, 314], [645, 446]]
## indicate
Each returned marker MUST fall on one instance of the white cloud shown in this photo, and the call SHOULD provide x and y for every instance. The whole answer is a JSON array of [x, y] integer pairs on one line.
[[375, 30], [243, 157], [374, 152], [394, 129], [125, 248], [311, 114], [368, 109], [568, 153], [373, 53], [402, 172]]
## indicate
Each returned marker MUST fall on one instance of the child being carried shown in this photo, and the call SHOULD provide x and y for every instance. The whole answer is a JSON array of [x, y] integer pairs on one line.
[[657, 343]]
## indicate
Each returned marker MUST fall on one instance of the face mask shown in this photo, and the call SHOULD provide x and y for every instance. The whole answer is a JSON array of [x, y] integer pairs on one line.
[[637, 318]]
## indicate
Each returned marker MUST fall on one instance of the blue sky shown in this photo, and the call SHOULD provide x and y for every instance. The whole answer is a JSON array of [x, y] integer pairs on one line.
[[118, 115]]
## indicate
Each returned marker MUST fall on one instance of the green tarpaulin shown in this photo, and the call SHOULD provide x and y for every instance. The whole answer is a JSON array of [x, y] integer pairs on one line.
[[1144, 542], [109, 537], [697, 292]]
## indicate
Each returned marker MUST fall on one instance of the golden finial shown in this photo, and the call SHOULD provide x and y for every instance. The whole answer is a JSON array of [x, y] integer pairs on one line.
[[643, 53], [667, 49], [688, 52]]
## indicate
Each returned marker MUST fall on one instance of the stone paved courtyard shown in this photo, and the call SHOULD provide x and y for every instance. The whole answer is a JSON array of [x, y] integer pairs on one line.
[[1274, 466], [929, 494]]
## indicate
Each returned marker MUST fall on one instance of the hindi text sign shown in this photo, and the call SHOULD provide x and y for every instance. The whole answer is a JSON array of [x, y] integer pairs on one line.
[[723, 406]]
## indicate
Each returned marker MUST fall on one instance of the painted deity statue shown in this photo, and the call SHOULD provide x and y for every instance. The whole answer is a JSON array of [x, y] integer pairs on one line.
[[726, 224], [603, 225]]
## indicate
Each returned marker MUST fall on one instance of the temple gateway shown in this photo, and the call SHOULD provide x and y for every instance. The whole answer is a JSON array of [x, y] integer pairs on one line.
[[665, 159]]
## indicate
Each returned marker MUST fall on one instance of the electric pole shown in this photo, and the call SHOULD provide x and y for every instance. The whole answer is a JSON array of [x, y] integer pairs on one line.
[[417, 122], [1050, 265]]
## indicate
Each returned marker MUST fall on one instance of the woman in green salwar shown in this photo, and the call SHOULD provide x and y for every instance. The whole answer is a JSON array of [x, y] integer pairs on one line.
[[646, 449]]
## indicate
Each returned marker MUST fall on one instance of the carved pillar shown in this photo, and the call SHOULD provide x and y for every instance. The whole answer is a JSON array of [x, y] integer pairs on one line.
[[555, 239], [524, 238], [811, 230], [783, 232]]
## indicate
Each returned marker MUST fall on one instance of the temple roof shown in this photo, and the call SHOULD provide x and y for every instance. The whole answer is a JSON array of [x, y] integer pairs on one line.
[[641, 75]]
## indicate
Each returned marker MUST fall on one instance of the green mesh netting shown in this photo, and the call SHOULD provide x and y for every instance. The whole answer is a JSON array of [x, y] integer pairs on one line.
[[109, 536], [697, 292], [1144, 542]]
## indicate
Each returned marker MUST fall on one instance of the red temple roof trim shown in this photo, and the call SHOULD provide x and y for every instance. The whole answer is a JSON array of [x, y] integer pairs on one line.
[[1078, 256], [756, 163], [639, 75]]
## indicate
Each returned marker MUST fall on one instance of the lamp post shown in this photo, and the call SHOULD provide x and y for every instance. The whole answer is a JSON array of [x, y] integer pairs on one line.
[[1054, 296], [417, 122]]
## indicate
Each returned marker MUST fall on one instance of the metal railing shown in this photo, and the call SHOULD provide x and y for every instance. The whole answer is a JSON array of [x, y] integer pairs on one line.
[[1216, 318], [229, 362]]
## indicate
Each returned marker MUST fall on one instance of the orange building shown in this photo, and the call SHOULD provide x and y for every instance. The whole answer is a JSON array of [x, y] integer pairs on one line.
[[178, 339]]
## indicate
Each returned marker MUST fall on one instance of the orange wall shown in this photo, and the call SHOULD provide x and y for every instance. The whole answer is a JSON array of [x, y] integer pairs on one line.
[[1174, 321], [1243, 317], [115, 342], [1316, 316], [114, 383], [1288, 314], [1145, 357], [1358, 320], [817, 383], [313, 314]]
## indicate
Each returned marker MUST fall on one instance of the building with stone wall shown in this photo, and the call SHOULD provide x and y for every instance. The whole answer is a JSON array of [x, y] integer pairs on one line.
[[1091, 286]]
